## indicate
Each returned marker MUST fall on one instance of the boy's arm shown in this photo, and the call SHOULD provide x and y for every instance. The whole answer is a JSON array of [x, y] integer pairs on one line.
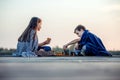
[[71, 42]]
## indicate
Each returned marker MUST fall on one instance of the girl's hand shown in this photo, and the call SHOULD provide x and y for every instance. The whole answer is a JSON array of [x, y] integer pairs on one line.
[[47, 41]]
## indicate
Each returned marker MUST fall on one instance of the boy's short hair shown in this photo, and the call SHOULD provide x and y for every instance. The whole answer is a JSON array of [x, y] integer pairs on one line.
[[79, 27]]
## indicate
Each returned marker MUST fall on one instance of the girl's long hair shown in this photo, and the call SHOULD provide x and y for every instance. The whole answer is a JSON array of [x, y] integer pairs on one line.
[[25, 36]]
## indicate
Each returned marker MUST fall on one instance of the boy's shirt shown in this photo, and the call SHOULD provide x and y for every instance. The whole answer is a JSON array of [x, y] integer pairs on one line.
[[89, 37]]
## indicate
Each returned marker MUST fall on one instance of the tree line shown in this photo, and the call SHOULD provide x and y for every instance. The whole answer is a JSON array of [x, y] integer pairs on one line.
[[57, 50]]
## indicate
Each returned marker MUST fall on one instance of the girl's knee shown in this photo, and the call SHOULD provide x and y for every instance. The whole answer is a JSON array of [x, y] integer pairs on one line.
[[47, 48]]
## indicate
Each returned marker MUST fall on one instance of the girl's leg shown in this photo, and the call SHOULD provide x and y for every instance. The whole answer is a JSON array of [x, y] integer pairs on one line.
[[47, 51], [45, 48]]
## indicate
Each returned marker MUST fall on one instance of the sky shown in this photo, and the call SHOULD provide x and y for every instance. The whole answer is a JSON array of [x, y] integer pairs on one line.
[[60, 17]]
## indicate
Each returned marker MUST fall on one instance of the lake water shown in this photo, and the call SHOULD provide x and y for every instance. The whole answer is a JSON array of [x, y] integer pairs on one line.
[[60, 68]]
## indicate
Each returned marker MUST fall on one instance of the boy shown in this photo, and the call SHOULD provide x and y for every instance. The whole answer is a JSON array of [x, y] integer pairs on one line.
[[88, 43]]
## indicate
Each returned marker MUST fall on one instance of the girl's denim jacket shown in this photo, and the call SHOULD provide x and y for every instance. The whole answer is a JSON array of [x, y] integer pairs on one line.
[[27, 49]]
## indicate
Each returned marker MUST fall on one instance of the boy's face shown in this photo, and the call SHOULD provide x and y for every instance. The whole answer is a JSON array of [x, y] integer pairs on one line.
[[79, 33]]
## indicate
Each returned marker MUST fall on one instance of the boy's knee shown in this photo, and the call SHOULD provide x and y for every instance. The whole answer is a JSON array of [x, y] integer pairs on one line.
[[83, 50]]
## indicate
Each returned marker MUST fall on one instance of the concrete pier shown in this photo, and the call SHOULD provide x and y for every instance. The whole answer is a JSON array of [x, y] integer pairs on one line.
[[60, 68]]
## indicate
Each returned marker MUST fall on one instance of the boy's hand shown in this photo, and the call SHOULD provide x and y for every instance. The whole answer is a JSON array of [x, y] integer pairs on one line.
[[65, 47], [76, 46]]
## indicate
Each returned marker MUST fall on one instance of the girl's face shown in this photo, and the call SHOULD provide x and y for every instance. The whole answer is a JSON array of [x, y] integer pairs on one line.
[[38, 26]]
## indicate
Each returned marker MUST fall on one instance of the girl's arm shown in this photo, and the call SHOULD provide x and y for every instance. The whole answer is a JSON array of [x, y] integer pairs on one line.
[[42, 44], [45, 42]]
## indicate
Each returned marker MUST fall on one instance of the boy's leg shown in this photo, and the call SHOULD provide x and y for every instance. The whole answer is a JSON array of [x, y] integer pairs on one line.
[[89, 50], [92, 50], [77, 52], [83, 50]]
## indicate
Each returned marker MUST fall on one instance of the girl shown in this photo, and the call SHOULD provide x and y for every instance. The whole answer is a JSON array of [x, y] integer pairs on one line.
[[28, 41]]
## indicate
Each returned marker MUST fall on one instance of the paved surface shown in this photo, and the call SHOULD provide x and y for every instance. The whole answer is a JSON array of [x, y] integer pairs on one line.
[[60, 68]]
